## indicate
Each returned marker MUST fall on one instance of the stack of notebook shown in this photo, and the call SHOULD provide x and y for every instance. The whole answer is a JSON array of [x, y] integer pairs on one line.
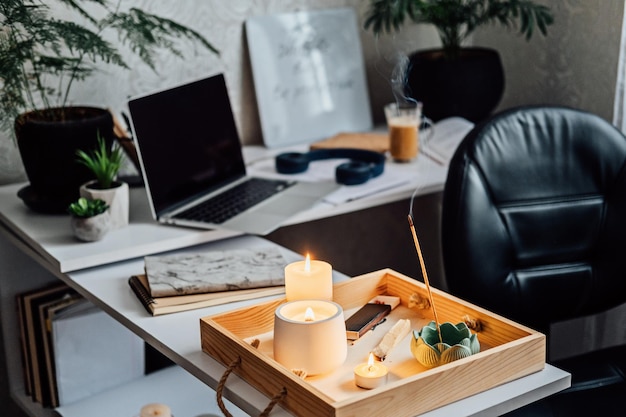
[[179, 282]]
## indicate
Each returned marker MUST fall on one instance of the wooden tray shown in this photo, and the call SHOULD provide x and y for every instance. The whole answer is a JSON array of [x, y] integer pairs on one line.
[[508, 351]]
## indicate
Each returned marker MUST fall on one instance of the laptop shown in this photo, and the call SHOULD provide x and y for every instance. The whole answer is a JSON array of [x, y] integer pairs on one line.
[[192, 164]]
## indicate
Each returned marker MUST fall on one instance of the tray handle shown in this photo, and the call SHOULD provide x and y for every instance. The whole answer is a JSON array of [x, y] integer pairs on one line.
[[220, 389]]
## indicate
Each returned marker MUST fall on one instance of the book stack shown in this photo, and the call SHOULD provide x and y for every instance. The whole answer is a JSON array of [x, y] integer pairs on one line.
[[180, 282], [55, 323]]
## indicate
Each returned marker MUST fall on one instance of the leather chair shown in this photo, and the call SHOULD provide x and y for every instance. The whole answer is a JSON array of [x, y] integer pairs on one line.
[[534, 224]]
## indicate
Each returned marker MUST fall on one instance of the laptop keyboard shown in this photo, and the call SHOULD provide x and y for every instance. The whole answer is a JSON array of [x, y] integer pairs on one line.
[[234, 201]]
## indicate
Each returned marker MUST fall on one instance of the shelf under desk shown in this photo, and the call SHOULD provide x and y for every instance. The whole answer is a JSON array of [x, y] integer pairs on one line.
[[177, 336]]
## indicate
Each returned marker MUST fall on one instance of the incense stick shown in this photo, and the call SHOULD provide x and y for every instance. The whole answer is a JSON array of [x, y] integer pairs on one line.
[[425, 275]]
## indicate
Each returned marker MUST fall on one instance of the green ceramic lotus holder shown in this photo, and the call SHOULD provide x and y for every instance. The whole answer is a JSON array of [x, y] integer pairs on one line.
[[458, 343]]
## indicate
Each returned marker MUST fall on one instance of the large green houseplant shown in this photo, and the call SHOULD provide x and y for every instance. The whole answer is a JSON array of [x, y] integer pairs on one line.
[[43, 56], [455, 80]]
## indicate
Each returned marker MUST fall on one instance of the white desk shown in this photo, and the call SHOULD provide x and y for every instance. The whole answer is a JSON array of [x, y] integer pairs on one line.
[[50, 237], [37, 249], [374, 224], [176, 335], [423, 174]]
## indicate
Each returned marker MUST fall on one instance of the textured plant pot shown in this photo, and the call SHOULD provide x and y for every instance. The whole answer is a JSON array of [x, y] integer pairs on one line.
[[90, 229], [470, 86], [117, 198], [48, 144]]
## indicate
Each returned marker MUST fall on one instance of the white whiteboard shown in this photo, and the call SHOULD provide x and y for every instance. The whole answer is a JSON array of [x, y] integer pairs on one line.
[[309, 76]]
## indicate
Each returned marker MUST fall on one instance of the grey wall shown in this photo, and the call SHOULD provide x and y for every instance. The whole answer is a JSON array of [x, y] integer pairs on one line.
[[575, 65]]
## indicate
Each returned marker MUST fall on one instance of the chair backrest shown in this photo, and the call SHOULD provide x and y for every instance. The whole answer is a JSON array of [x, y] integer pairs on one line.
[[534, 215]]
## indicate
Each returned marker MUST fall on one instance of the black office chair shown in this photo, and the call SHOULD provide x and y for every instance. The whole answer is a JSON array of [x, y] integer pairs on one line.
[[534, 226]]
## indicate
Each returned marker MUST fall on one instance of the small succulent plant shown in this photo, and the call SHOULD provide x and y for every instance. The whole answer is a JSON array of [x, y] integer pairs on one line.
[[84, 207], [457, 343], [102, 162]]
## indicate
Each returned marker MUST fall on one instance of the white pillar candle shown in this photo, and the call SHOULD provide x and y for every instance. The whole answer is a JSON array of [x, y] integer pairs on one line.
[[313, 341], [370, 375], [309, 280], [155, 410]]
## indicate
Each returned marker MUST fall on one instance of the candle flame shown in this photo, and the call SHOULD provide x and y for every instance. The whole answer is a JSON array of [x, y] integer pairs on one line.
[[370, 362], [309, 315], [307, 263]]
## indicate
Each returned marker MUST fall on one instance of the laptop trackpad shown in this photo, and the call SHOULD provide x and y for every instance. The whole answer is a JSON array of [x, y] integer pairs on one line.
[[256, 222], [286, 205], [297, 198], [268, 215]]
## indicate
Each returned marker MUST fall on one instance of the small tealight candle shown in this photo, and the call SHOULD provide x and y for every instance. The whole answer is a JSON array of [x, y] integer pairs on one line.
[[309, 280], [370, 375], [155, 410], [310, 335]]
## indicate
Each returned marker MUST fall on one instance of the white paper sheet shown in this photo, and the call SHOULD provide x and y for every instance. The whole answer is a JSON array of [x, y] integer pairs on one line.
[[446, 137]]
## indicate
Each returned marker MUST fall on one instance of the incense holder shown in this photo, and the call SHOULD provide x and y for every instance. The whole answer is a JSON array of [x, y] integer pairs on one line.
[[457, 343]]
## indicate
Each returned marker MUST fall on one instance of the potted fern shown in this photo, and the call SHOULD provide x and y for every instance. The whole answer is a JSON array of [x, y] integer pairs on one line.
[[90, 219], [104, 164], [43, 57], [455, 80]]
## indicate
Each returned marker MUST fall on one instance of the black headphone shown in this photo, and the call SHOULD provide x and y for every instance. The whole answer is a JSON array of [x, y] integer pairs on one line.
[[363, 165]]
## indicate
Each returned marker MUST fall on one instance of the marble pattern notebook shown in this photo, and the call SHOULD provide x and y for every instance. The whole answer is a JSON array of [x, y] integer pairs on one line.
[[195, 273]]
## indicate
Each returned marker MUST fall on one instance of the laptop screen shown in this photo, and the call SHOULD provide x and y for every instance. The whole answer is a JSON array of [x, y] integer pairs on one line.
[[188, 141]]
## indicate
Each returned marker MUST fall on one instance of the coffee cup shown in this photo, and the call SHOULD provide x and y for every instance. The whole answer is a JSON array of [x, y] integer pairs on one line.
[[403, 122]]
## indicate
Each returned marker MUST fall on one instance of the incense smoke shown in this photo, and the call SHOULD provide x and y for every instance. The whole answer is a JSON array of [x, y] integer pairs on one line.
[[399, 83]]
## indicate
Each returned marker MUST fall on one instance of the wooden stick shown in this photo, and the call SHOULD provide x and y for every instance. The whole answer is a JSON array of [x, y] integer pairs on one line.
[[425, 275]]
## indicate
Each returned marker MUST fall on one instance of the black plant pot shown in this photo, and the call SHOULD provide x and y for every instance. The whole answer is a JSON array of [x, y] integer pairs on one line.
[[48, 147], [470, 86]]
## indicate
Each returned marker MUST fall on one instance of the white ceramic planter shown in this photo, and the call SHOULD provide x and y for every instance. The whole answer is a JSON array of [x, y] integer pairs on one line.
[[90, 229], [117, 198]]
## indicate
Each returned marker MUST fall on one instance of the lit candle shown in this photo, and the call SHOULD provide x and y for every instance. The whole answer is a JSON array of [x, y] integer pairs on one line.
[[310, 335], [155, 410], [370, 375], [309, 280]]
